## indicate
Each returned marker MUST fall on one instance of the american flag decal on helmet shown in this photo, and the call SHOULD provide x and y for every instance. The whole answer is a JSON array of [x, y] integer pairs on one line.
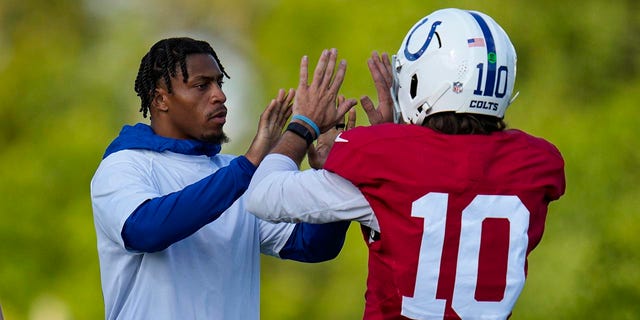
[[475, 42]]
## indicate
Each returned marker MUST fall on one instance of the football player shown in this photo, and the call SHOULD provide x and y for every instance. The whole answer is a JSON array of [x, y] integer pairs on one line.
[[450, 201], [174, 238]]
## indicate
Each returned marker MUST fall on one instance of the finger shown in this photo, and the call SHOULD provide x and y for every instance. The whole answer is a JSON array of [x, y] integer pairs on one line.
[[378, 62], [265, 117], [383, 66], [290, 95], [287, 115], [344, 107], [288, 105], [340, 124], [283, 117], [318, 73], [284, 110], [385, 101], [331, 64], [272, 105], [278, 108], [340, 100], [281, 95], [378, 71], [388, 68], [304, 72], [339, 78], [351, 119], [370, 110]]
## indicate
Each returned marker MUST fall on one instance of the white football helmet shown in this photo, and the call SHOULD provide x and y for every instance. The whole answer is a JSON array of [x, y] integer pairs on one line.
[[453, 60]]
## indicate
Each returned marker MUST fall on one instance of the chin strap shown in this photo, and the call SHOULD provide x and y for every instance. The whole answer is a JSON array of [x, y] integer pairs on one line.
[[428, 102]]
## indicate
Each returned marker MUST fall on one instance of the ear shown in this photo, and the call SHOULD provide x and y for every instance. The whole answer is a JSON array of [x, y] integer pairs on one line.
[[159, 100]]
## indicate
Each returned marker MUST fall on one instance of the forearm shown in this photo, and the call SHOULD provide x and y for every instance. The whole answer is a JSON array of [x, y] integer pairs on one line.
[[162, 221], [280, 193], [292, 146]]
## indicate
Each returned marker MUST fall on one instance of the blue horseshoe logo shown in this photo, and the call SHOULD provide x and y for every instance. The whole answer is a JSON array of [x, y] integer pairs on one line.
[[414, 56]]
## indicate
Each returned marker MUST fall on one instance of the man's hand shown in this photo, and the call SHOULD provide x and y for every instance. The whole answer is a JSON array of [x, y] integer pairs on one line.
[[318, 154], [382, 74], [272, 120], [317, 101]]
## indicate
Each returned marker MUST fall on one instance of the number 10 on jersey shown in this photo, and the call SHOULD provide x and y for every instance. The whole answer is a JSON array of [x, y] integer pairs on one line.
[[432, 207]]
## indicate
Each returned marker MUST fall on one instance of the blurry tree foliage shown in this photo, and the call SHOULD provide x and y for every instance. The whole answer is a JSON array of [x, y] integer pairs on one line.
[[66, 87]]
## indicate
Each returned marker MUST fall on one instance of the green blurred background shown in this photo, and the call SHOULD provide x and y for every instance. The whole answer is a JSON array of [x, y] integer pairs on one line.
[[66, 88]]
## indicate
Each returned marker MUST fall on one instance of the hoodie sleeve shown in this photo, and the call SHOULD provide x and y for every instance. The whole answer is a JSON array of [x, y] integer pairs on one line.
[[315, 242], [159, 222]]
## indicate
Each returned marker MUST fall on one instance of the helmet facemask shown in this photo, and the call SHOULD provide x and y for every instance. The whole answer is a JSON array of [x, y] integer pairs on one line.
[[397, 112]]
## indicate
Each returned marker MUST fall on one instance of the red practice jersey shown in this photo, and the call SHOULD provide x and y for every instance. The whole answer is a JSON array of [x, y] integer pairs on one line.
[[458, 215]]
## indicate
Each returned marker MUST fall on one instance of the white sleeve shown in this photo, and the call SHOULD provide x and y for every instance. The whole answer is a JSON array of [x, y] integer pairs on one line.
[[118, 187], [279, 192]]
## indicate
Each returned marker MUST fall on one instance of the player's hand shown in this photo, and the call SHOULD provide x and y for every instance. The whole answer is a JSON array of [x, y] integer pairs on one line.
[[317, 101], [318, 154], [272, 121], [382, 74]]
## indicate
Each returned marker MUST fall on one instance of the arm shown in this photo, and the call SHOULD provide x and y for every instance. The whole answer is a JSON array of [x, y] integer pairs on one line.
[[308, 242], [280, 193], [159, 222]]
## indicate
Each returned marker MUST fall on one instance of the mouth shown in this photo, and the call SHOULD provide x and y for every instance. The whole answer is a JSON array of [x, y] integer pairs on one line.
[[218, 116]]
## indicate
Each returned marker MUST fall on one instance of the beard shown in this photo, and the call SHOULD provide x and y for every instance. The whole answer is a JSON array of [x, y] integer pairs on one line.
[[216, 139]]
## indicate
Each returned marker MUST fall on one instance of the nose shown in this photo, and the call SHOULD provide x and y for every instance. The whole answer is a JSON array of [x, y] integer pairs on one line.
[[217, 95]]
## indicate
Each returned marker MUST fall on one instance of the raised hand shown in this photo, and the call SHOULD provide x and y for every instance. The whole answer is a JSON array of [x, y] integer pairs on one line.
[[382, 74], [317, 101], [272, 120]]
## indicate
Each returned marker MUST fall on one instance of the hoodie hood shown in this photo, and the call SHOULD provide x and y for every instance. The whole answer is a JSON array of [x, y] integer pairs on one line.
[[141, 136]]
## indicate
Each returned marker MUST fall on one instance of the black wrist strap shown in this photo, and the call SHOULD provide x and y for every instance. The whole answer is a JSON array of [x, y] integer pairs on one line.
[[301, 131]]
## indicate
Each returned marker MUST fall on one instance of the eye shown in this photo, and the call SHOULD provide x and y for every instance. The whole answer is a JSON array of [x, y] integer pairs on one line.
[[202, 86], [220, 83]]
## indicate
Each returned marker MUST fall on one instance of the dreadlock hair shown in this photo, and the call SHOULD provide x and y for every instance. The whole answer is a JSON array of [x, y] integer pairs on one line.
[[464, 123], [161, 62]]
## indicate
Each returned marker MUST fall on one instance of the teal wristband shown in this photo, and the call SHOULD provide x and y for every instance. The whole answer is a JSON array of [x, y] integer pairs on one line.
[[309, 122]]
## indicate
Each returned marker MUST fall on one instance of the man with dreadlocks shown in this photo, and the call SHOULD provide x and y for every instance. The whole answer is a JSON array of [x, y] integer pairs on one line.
[[174, 238]]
